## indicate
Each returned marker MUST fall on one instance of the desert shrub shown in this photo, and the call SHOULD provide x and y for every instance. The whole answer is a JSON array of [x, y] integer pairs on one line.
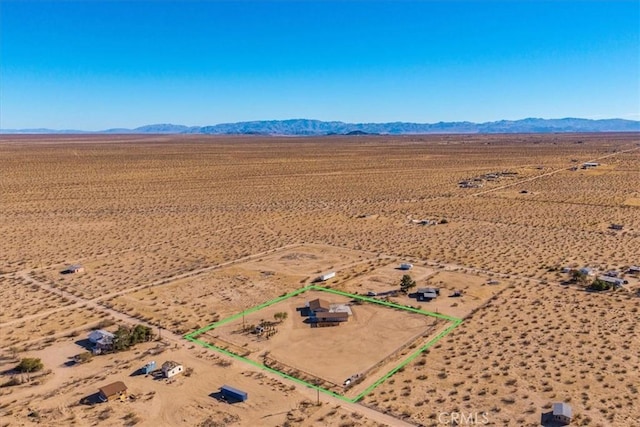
[[84, 357], [29, 364]]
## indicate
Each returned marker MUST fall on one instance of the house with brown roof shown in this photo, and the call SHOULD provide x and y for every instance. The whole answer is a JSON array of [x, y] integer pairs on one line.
[[116, 390], [319, 305]]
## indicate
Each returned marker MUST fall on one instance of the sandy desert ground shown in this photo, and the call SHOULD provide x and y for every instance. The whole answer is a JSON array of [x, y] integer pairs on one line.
[[177, 232]]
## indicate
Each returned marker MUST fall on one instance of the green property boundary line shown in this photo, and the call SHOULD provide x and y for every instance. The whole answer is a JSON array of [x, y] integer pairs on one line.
[[455, 322]]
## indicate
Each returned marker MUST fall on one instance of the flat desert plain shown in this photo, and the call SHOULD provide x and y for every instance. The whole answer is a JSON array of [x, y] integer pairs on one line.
[[200, 237]]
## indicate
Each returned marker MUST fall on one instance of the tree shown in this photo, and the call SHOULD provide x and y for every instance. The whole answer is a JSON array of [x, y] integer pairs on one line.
[[579, 277], [122, 339], [141, 333], [406, 283], [599, 285], [125, 337], [30, 364]]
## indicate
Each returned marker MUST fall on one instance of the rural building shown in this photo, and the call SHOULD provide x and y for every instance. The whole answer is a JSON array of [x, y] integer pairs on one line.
[[319, 305], [116, 390], [98, 335], [406, 266], [322, 313], [587, 271], [330, 317], [562, 413], [171, 368], [587, 165], [336, 316], [233, 394], [614, 281], [634, 269], [326, 276], [149, 367], [72, 269], [616, 226], [427, 294], [101, 340]]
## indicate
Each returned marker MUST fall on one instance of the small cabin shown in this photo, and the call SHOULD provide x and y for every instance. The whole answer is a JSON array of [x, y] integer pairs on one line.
[[116, 390], [427, 294], [73, 269], [562, 413], [171, 368]]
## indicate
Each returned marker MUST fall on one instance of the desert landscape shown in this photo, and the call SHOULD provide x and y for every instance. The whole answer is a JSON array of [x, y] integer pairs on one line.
[[207, 240]]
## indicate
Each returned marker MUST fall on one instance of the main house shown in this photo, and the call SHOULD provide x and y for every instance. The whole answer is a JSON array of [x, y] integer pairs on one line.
[[322, 313]]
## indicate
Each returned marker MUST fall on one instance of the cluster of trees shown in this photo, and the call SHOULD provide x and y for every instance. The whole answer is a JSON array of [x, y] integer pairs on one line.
[[599, 285], [125, 337]]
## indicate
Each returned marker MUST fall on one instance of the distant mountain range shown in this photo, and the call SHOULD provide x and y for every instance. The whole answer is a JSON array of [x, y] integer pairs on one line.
[[305, 127]]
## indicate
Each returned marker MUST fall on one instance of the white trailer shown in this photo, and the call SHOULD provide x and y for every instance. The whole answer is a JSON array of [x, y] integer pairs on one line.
[[327, 276]]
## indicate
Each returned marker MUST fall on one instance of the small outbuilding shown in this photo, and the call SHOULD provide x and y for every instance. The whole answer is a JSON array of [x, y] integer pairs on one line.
[[406, 266], [232, 394], [72, 269], [149, 367], [427, 294], [562, 413], [634, 269], [326, 276], [116, 390], [587, 271], [616, 226], [171, 368]]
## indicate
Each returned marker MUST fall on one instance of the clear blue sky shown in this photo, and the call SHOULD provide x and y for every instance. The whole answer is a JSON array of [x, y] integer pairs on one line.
[[99, 64]]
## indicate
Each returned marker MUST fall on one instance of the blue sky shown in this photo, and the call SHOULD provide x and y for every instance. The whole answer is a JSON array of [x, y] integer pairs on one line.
[[99, 64]]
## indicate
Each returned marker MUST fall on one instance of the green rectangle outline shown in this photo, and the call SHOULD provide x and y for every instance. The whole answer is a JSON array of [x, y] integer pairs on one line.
[[455, 322]]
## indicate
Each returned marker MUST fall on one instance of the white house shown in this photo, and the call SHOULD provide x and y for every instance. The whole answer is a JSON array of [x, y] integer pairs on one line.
[[171, 368]]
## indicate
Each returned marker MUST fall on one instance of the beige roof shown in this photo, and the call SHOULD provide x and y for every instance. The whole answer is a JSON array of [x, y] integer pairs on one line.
[[113, 389]]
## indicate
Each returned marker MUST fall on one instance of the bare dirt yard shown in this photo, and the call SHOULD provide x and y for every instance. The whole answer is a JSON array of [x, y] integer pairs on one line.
[[177, 232], [366, 345]]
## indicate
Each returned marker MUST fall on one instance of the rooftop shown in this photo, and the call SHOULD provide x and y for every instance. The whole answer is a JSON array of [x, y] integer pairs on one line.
[[113, 388], [562, 409]]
